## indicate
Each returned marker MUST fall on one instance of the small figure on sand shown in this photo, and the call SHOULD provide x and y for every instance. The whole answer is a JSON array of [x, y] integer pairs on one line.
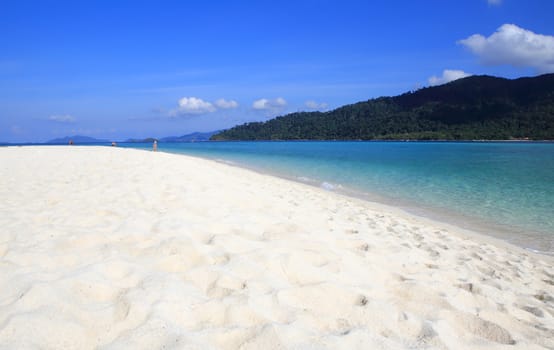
[[71, 142], [114, 144], [155, 146]]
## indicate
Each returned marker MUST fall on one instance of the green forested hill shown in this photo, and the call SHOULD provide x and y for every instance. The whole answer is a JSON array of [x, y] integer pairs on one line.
[[476, 107]]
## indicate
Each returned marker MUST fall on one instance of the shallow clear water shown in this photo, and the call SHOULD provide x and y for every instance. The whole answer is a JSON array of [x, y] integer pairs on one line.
[[503, 189]]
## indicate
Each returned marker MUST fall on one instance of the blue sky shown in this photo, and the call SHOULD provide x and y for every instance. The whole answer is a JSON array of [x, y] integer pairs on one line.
[[120, 69]]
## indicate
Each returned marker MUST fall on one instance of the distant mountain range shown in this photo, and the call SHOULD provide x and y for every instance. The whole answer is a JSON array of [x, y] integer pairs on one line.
[[76, 139], [472, 108], [194, 137], [145, 140]]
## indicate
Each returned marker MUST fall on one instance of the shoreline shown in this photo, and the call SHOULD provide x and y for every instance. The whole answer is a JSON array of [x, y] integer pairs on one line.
[[112, 247], [479, 227], [431, 218], [474, 232]]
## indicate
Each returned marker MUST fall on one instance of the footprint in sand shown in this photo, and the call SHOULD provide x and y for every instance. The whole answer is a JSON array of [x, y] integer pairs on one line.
[[470, 287], [364, 247], [351, 231], [544, 297], [432, 252], [532, 310], [482, 328], [362, 300], [122, 307], [221, 259], [216, 292]]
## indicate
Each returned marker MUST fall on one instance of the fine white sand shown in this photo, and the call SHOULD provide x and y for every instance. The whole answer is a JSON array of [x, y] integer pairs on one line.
[[119, 248]]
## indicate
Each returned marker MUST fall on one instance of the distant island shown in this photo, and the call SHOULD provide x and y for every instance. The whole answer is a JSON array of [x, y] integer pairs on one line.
[[472, 108]]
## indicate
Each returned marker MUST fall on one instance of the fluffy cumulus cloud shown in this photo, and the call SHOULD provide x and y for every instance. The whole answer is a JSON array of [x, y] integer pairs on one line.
[[265, 104], [62, 118], [226, 104], [192, 106], [311, 104], [448, 75], [515, 46]]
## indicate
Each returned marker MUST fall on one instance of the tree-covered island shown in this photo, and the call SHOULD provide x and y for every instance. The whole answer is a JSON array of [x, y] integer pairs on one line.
[[472, 108]]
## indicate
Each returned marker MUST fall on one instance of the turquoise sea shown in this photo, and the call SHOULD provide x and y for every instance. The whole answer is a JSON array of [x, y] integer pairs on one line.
[[503, 189]]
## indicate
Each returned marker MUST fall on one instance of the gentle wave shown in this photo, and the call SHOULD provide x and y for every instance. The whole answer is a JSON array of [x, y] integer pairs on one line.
[[329, 186]]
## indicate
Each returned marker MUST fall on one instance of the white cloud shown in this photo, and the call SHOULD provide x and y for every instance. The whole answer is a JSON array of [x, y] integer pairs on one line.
[[448, 75], [311, 104], [494, 2], [192, 105], [262, 103], [197, 106], [224, 104], [65, 118], [279, 102], [265, 104], [515, 46]]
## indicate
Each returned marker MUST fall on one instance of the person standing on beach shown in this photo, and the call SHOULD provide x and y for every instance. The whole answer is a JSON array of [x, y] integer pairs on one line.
[[155, 146]]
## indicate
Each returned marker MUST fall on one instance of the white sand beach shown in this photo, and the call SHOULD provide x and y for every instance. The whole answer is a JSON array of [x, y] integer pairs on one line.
[[120, 248]]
